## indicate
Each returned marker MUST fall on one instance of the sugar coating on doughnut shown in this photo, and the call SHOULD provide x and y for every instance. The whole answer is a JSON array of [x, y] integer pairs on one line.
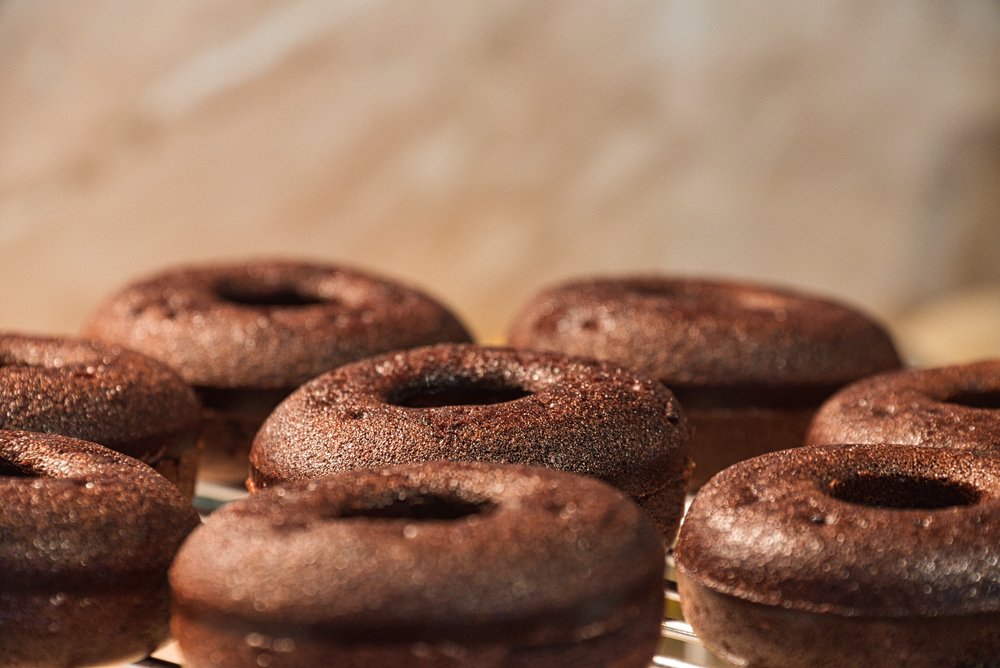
[[471, 554], [268, 323], [706, 333], [475, 403], [88, 536], [949, 406], [102, 394]]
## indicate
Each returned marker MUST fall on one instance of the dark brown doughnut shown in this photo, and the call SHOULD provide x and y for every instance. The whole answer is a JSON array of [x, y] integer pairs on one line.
[[475, 403], [953, 406], [749, 363], [103, 394], [435, 564], [822, 556], [246, 334], [88, 536]]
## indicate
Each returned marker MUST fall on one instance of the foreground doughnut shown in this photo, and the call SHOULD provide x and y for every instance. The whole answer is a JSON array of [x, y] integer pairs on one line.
[[246, 334], [431, 564], [951, 406], [88, 536], [104, 394], [473, 403], [878, 555], [750, 364]]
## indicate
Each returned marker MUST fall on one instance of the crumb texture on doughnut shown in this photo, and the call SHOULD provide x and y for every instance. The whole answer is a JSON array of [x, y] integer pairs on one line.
[[764, 636], [435, 563], [268, 323], [93, 392], [949, 406], [88, 536], [826, 556], [749, 363], [854, 530], [707, 333], [103, 394], [475, 403], [246, 334]]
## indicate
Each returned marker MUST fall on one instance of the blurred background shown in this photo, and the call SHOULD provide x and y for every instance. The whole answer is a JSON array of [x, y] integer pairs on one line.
[[482, 150]]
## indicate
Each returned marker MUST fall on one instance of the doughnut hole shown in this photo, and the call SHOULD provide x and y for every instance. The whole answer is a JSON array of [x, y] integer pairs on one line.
[[250, 293], [422, 508], [642, 290], [988, 399], [903, 492], [707, 297], [457, 392], [675, 295]]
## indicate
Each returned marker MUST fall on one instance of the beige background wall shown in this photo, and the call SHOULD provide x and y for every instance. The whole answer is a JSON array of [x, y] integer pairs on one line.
[[483, 149]]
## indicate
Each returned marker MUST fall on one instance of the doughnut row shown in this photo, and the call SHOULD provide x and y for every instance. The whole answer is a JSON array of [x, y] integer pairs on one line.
[[417, 499]]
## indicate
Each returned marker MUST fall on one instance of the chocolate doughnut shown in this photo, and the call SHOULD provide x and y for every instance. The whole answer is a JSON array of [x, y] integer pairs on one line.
[[750, 364], [104, 394], [475, 403], [246, 334], [88, 536], [950, 406], [825, 556], [430, 564]]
